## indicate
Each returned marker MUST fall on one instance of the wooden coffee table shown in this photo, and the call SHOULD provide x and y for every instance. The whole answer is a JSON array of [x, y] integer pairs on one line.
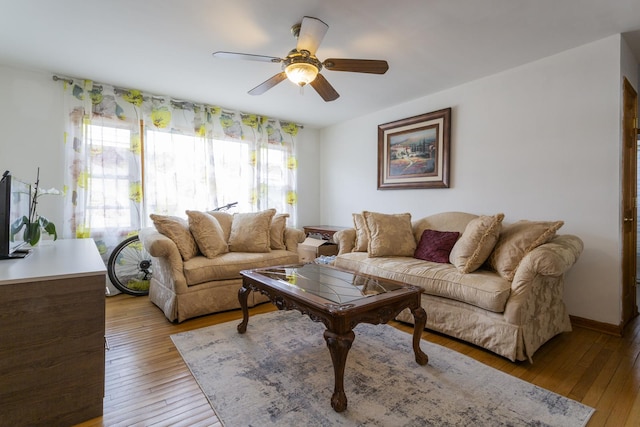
[[340, 299]]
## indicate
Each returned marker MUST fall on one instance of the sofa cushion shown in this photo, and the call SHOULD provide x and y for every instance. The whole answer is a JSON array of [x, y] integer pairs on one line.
[[476, 243], [484, 289], [362, 239], [436, 245], [443, 221], [177, 229], [518, 239], [276, 231], [389, 234], [228, 266], [208, 233], [250, 232], [225, 220]]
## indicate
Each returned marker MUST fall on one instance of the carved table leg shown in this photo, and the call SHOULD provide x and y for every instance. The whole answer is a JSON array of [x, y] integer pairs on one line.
[[420, 320], [243, 294], [339, 345]]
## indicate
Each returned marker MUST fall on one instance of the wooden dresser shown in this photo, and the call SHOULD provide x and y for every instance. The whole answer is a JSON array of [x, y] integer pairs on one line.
[[52, 326]]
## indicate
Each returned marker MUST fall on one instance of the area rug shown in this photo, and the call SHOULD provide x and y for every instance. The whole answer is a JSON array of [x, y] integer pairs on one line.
[[279, 373]]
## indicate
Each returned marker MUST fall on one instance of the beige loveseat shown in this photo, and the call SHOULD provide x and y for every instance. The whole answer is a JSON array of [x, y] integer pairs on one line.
[[197, 263], [499, 286]]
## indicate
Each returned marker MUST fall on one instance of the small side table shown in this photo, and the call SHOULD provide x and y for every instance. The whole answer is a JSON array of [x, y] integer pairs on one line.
[[325, 232]]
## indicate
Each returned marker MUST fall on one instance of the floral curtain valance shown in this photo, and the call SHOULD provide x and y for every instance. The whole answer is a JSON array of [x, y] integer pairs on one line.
[[165, 113]]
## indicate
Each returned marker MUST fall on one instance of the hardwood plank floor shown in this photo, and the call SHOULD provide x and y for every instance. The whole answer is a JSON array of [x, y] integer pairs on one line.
[[148, 384]]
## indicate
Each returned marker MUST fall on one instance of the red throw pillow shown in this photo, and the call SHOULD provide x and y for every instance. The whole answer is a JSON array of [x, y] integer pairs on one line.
[[436, 245]]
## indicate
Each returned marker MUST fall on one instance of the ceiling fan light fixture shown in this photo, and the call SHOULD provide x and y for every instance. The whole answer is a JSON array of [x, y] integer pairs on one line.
[[301, 73]]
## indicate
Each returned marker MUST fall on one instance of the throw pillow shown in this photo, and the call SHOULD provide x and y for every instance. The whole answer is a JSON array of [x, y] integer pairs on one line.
[[362, 240], [177, 229], [389, 234], [225, 220], [476, 243], [250, 232], [517, 240], [436, 245], [208, 234], [278, 225]]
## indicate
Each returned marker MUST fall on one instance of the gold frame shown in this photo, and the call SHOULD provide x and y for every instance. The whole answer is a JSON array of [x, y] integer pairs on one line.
[[415, 152]]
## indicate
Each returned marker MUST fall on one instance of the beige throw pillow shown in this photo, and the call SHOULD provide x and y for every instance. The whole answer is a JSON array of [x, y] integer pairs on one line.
[[517, 240], [278, 225], [362, 240], [389, 234], [250, 232], [476, 243], [177, 229], [225, 220], [208, 234]]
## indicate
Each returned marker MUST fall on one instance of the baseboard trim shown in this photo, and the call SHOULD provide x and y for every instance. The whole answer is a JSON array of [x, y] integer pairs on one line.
[[606, 328]]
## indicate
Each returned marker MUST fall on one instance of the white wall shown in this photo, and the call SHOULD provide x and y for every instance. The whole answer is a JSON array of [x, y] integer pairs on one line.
[[538, 142], [308, 154], [32, 133]]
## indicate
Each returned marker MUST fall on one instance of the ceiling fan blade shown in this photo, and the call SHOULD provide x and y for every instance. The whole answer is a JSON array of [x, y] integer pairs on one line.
[[312, 31], [324, 88], [247, 56], [371, 66], [268, 84]]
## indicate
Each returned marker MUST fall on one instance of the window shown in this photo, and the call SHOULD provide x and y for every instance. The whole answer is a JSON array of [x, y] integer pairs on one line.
[[111, 165], [180, 172], [121, 144]]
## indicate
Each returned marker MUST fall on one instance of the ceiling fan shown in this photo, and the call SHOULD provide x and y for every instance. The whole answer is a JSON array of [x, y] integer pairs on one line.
[[301, 65]]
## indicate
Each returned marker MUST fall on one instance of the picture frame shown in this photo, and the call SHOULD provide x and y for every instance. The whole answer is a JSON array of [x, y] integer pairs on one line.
[[415, 152]]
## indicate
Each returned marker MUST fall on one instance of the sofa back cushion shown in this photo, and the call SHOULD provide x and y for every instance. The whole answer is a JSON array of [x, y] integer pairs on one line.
[[476, 243], [362, 238], [444, 221], [276, 232], [177, 229], [208, 233], [389, 234], [225, 220], [518, 239], [250, 232]]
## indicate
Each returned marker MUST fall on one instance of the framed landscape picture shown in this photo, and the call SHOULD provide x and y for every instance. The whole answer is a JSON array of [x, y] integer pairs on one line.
[[414, 152]]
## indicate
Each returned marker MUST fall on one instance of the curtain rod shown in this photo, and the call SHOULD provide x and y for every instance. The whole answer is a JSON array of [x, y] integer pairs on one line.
[[63, 79]]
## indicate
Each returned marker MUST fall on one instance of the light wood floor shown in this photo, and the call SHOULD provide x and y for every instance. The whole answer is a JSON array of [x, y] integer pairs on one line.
[[148, 384]]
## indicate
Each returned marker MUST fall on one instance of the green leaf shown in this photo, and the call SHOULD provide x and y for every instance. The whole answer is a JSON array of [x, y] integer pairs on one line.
[[32, 233], [49, 227]]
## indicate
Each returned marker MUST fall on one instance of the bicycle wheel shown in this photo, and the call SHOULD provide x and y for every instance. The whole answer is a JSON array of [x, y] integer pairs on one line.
[[129, 267]]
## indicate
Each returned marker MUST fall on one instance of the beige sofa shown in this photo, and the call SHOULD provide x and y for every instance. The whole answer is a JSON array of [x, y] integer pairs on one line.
[[500, 286], [197, 263]]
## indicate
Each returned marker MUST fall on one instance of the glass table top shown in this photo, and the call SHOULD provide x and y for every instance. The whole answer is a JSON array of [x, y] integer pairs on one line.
[[334, 285]]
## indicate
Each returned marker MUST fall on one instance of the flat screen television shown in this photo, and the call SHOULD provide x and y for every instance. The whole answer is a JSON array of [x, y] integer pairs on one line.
[[15, 201]]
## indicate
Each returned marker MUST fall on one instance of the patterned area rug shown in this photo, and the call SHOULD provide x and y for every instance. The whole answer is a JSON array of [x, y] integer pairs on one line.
[[280, 373]]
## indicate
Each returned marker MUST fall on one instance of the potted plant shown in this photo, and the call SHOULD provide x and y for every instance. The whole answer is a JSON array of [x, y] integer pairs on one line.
[[35, 223]]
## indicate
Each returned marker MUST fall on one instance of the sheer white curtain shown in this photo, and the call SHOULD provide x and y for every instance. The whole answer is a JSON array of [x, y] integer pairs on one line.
[[129, 154]]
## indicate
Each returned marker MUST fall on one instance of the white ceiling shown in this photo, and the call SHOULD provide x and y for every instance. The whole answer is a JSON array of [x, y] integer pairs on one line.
[[164, 46]]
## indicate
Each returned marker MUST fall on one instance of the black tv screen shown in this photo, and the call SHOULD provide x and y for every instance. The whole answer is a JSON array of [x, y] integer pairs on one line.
[[15, 201]]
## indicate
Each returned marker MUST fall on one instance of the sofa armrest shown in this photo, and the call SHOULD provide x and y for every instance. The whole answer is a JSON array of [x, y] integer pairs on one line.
[[168, 267], [544, 266], [346, 240], [293, 236], [554, 258]]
